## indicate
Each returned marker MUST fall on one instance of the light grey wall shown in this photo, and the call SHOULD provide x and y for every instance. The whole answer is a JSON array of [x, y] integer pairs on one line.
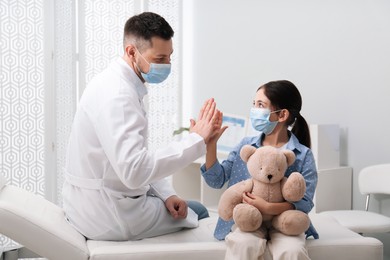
[[336, 52]]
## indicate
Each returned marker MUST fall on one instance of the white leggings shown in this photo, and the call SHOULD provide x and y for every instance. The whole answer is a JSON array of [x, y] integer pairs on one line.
[[252, 245]]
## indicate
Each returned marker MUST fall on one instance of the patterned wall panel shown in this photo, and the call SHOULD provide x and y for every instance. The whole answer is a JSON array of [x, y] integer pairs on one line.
[[22, 95], [104, 21], [65, 81], [164, 99]]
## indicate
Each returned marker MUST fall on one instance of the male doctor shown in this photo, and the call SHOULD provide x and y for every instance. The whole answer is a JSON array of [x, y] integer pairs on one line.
[[114, 186]]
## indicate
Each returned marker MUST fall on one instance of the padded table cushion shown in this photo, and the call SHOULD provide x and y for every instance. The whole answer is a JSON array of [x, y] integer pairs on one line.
[[361, 221], [336, 242], [39, 225]]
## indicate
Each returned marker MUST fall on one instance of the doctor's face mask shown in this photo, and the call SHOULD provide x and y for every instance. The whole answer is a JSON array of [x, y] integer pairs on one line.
[[157, 72]]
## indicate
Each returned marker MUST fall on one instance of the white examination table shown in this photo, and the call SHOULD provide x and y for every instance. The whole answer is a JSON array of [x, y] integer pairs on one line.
[[40, 226]]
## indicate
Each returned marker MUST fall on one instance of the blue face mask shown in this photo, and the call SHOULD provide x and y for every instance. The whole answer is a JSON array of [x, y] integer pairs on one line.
[[260, 120], [157, 72]]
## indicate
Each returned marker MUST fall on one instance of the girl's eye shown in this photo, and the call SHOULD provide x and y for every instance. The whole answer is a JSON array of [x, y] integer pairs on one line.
[[257, 104]]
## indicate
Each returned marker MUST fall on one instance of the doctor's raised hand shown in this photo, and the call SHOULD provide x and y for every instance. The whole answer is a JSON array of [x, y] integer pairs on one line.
[[208, 122]]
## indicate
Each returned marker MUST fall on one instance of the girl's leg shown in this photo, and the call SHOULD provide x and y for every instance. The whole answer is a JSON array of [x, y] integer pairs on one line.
[[287, 247], [198, 208], [245, 245]]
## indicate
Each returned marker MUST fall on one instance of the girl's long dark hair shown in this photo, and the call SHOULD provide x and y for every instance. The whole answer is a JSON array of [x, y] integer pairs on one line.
[[283, 94]]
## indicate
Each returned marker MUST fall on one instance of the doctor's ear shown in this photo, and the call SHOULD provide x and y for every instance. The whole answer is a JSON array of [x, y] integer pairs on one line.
[[130, 51]]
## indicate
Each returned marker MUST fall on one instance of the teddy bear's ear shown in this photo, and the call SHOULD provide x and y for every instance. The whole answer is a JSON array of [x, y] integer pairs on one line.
[[290, 156], [246, 152]]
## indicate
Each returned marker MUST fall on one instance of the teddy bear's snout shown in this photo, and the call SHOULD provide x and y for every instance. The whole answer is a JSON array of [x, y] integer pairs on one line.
[[269, 176]]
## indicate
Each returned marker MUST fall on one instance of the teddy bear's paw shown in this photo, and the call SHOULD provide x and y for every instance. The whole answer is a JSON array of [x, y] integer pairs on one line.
[[292, 222], [294, 188], [247, 217]]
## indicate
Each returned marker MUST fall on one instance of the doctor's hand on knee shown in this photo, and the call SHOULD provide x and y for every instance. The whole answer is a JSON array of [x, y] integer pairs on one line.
[[208, 122], [177, 207]]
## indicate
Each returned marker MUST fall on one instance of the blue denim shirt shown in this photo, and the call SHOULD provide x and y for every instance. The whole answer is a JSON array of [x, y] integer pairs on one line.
[[234, 170]]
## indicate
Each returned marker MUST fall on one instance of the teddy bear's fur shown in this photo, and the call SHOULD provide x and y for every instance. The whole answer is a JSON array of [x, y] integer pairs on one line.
[[267, 166]]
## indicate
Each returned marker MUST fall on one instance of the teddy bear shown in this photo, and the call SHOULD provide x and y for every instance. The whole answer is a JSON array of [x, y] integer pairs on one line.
[[267, 166]]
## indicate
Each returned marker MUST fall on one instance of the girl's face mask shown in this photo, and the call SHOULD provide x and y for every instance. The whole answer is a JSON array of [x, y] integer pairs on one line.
[[157, 72], [260, 120]]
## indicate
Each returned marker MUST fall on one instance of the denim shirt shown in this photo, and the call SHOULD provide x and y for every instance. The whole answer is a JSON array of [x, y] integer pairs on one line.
[[233, 170]]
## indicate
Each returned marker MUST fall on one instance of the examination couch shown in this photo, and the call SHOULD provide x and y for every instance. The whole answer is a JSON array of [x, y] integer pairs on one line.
[[40, 226]]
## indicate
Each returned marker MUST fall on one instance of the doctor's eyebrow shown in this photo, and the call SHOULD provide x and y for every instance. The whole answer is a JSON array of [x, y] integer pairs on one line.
[[164, 55]]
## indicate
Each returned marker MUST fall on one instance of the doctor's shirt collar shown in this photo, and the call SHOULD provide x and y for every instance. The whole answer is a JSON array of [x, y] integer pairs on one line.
[[134, 79]]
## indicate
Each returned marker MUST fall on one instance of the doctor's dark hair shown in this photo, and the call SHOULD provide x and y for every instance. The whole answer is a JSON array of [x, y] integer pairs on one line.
[[283, 94], [139, 29]]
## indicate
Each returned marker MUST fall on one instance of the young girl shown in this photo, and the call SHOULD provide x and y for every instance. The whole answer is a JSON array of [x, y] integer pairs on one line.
[[276, 110]]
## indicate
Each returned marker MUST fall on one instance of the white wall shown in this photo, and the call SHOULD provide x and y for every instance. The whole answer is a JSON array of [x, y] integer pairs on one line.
[[336, 52]]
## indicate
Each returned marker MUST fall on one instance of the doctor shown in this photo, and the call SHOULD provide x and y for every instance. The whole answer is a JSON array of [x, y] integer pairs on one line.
[[114, 187]]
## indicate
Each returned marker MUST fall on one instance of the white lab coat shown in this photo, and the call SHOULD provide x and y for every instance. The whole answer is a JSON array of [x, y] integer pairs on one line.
[[114, 187]]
